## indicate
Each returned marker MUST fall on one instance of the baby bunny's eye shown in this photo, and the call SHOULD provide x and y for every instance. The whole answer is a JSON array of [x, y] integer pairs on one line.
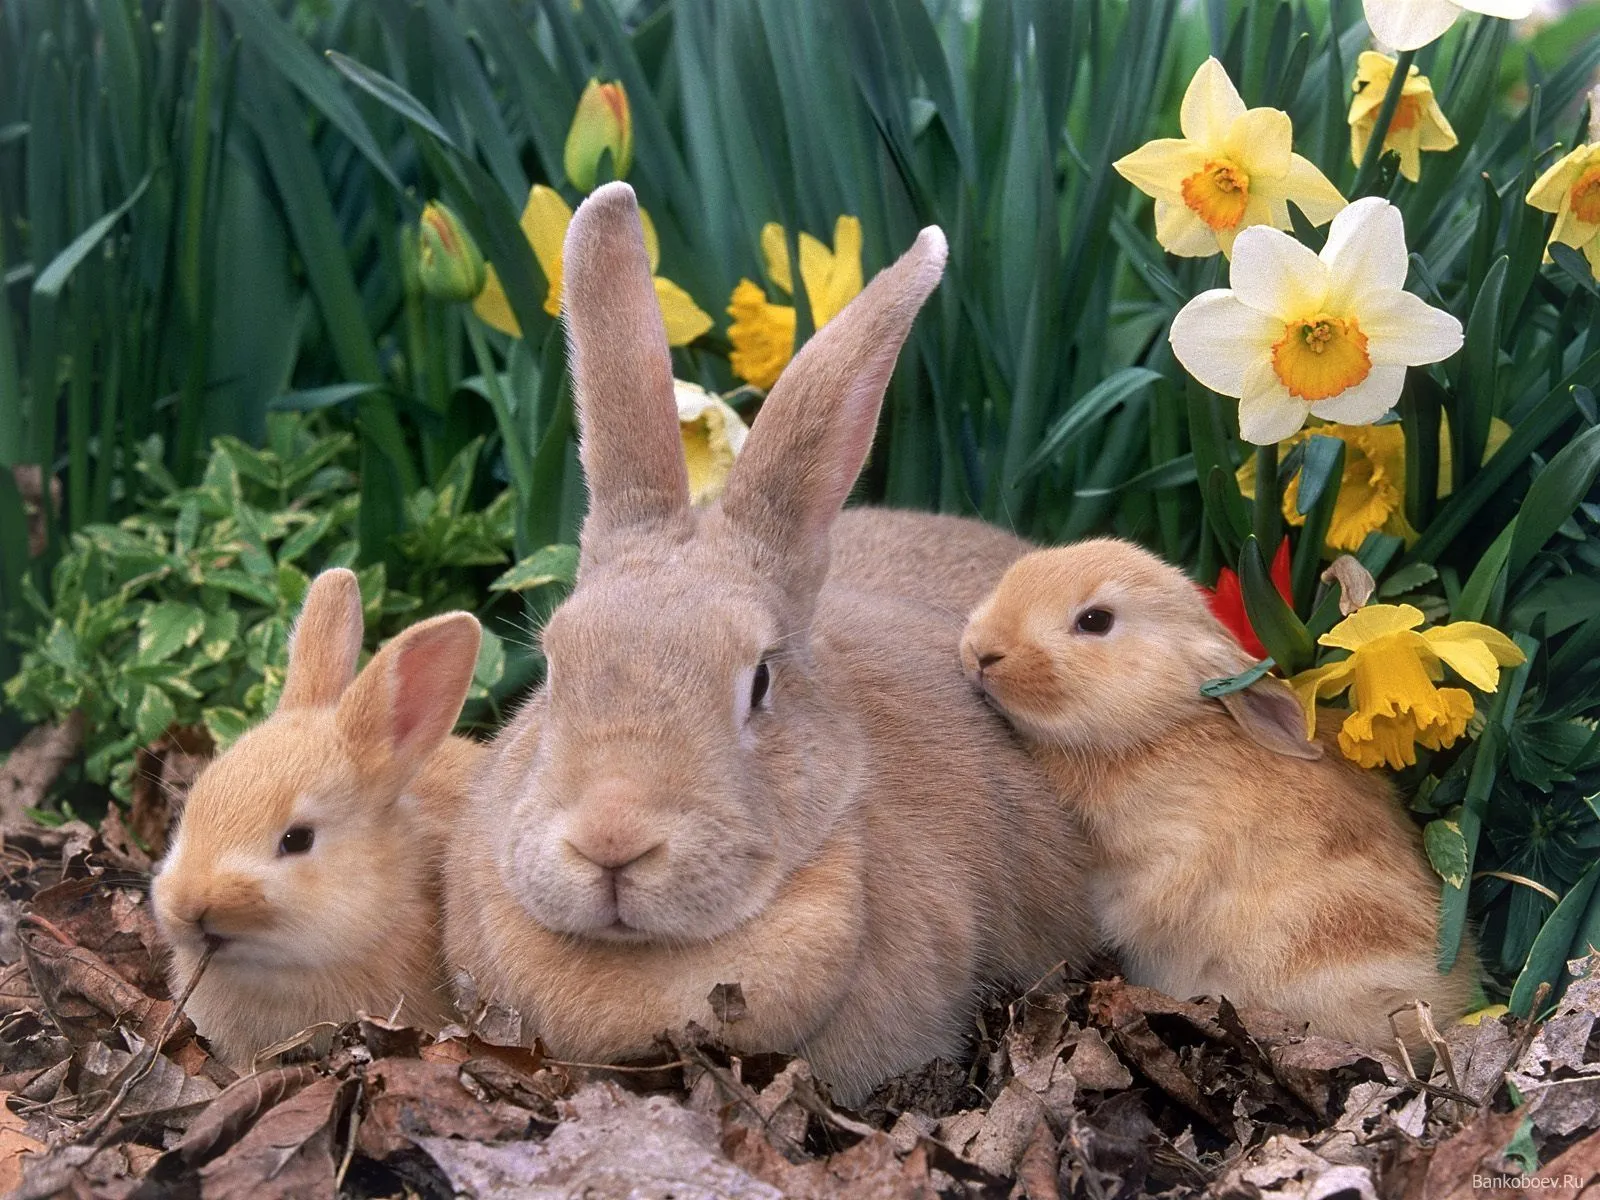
[[759, 684], [1095, 620], [297, 840]]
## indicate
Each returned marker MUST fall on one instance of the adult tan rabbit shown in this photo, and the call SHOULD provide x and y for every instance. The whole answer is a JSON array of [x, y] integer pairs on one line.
[[308, 853], [743, 769], [1232, 856]]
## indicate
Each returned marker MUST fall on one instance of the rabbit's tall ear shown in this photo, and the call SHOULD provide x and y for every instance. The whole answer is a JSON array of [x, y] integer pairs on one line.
[[406, 701], [815, 429], [628, 434], [326, 642]]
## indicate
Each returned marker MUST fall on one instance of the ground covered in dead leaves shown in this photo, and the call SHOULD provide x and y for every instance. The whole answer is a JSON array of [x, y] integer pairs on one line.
[[1088, 1089]]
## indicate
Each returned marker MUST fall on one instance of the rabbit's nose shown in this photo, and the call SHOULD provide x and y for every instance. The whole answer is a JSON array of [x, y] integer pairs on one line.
[[985, 661], [610, 853]]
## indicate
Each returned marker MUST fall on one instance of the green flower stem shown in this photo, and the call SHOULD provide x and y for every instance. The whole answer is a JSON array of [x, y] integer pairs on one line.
[[518, 463], [1380, 129], [1268, 523]]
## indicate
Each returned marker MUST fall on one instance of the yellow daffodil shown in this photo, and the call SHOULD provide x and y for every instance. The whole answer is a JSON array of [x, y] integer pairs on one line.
[[1391, 673], [713, 434], [1571, 190], [1418, 124], [1372, 489], [544, 223], [1299, 333], [1233, 168], [1412, 24], [762, 333], [602, 124]]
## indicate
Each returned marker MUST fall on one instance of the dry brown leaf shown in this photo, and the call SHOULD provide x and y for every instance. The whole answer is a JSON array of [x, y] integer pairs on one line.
[[14, 1143], [1575, 1172], [288, 1152], [165, 1092], [1036, 1172], [407, 1099], [113, 921], [231, 1115], [85, 997], [869, 1170], [1475, 1152], [613, 1144]]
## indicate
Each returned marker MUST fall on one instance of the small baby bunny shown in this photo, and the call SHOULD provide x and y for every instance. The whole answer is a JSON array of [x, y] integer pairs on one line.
[[306, 856], [754, 760], [1232, 856]]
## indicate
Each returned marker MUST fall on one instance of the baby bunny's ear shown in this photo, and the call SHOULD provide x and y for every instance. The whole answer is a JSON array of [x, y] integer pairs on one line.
[[406, 701], [815, 429], [1272, 718], [326, 642], [628, 434]]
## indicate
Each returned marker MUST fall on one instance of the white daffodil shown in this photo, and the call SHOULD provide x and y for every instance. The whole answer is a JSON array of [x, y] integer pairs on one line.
[[1412, 24], [1233, 168], [1330, 335], [713, 434]]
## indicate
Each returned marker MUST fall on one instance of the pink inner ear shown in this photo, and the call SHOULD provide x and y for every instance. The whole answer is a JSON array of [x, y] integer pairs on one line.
[[419, 696]]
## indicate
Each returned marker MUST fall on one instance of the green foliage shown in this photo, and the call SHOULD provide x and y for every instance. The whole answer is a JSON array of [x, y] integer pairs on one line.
[[180, 614]]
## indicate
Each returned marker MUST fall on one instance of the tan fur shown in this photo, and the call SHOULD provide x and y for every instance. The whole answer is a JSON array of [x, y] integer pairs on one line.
[[864, 851], [1220, 867], [351, 925]]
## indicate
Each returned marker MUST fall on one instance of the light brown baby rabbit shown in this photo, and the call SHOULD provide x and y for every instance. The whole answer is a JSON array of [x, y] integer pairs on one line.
[[307, 854], [755, 760], [1232, 857]]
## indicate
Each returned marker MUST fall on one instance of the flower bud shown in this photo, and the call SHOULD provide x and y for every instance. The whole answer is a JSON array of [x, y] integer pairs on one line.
[[448, 261], [602, 123]]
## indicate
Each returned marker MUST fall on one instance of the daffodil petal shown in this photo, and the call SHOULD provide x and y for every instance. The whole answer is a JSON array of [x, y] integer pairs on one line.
[[544, 223], [1510, 10], [1262, 142], [652, 244], [1405, 330], [832, 277], [1267, 412], [1470, 659], [1365, 252], [1475, 652], [1572, 230], [1319, 683], [1158, 168], [493, 306], [1275, 274], [1216, 338], [776, 251], [1551, 188], [1365, 402], [1310, 190], [1371, 623], [683, 318], [1211, 104], [1409, 24], [1180, 231]]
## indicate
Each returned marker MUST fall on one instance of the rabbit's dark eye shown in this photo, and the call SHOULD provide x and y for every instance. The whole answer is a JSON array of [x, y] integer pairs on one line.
[[760, 684], [297, 840], [1095, 620]]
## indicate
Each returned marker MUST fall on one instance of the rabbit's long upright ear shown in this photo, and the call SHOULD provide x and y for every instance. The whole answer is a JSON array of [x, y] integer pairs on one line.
[[621, 369], [406, 701], [815, 429], [326, 642]]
